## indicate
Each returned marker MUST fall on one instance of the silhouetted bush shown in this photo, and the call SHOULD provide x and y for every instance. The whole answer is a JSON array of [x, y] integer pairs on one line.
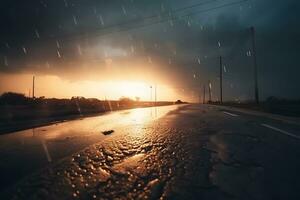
[[125, 101], [13, 98], [272, 100], [178, 102]]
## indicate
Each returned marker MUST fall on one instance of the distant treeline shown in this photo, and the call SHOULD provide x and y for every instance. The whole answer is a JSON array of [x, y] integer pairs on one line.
[[276, 100], [269, 100], [12, 98], [288, 107], [15, 106]]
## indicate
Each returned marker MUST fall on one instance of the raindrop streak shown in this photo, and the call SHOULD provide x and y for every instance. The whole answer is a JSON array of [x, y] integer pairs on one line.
[[57, 44], [37, 33], [46, 151], [58, 54], [199, 61], [162, 7], [79, 49], [47, 65], [150, 59], [75, 20], [101, 20], [66, 4], [124, 10], [24, 50], [5, 61]]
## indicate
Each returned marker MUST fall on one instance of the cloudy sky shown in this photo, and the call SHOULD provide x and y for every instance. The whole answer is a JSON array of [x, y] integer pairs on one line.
[[98, 48]]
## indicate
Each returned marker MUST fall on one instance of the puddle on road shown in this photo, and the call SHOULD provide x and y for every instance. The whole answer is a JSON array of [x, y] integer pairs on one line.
[[129, 164]]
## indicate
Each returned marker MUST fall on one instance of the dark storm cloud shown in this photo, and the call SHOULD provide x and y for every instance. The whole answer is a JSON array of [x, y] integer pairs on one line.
[[187, 49]]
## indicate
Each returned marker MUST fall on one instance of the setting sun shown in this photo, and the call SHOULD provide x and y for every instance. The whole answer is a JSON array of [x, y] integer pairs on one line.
[[135, 89]]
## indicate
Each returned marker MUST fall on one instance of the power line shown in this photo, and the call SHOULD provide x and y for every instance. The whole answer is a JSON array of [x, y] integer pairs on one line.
[[166, 17], [165, 14], [172, 17]]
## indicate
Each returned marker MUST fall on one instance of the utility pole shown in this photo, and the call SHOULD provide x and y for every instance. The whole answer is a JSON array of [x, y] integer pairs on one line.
[[150, 93], [204, 94], [155, 93], [209, 90], [221, 81], [33, 78], [252, 29], [199, 95]]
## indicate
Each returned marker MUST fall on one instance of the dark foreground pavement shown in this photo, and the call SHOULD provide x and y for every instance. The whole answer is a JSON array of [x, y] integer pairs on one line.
[[194, 152]]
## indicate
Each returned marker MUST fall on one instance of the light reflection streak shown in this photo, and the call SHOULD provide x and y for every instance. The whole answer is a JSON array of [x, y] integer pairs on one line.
[[83, 132], [46, 151], [43, 141]]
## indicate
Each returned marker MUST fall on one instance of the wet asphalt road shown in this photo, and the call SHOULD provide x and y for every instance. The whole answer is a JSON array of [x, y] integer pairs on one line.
[[192, 152], [24, 152]]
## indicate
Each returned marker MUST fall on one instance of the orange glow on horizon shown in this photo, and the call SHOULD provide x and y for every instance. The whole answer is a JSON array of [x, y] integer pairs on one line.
[[55, 87]]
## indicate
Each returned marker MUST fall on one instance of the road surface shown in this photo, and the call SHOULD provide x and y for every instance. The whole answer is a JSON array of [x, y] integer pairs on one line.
[[173, 152]]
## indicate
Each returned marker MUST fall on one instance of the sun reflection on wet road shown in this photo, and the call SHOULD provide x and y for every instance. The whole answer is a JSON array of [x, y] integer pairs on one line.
[[34, 148]]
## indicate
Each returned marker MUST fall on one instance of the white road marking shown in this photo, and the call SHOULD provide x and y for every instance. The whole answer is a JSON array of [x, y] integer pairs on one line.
[[231, 114], [281, 131]]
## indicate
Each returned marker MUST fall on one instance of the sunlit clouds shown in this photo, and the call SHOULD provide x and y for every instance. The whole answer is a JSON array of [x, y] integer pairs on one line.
[[171, 43]]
